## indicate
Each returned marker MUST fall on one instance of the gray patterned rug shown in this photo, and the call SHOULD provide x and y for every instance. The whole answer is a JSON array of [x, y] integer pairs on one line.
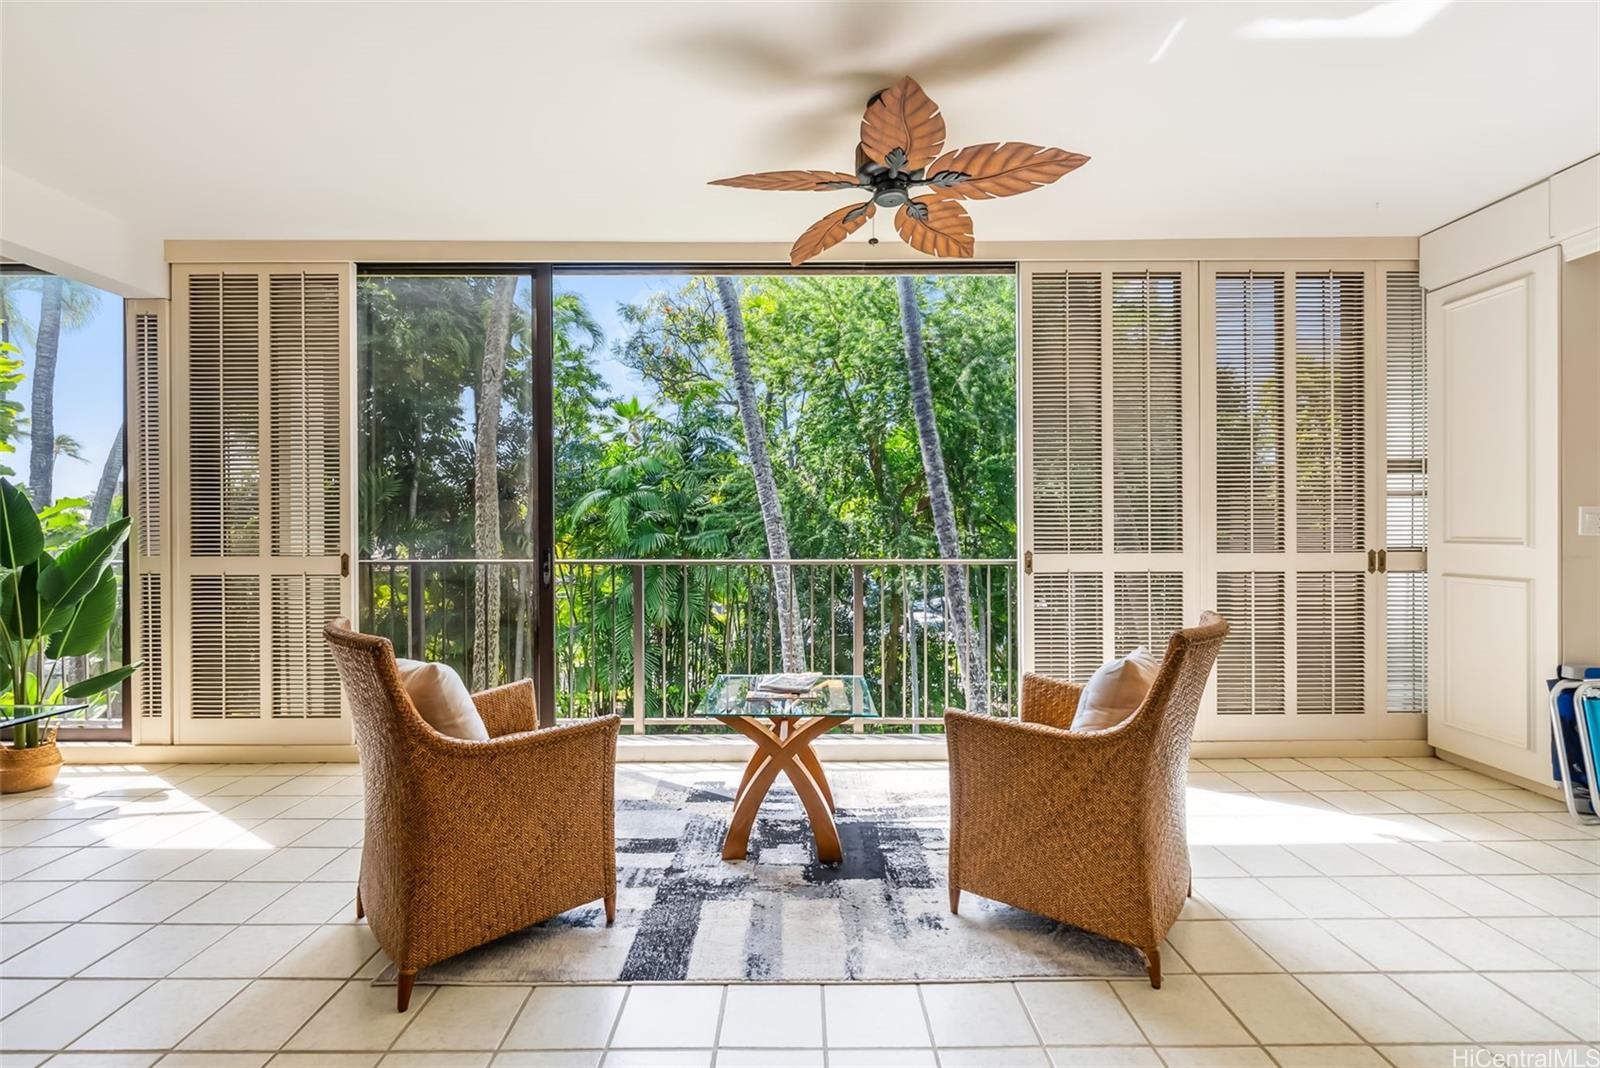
[[683, 913]]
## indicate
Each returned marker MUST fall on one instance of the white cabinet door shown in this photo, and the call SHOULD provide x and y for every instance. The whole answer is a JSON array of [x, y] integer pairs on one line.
[[1493, 548]]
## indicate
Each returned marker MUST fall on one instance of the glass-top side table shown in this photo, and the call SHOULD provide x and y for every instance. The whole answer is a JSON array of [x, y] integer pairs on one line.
[[783, 728]]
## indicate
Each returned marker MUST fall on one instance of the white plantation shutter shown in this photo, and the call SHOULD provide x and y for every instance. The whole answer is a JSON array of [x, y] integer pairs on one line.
[[1228, 460], [1109, 402], [1330, 399], [1405, 513], [225, 646], [305, 683], [1147, 411], [265, 362], [1066, 364], [1249, 333], [1291, 399], [147, 502], [1252, 670], [1330, 641], [1069, 639], [1147, 608]]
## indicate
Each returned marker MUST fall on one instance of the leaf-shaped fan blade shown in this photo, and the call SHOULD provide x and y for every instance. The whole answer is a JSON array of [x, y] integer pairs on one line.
[[797, 180], [829, 230], [935, 225], [902, 117], [982, 172]]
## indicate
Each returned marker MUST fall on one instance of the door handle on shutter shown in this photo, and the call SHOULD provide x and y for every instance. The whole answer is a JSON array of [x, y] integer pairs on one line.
[[1027, 562], [1372, 561], [1383, 561], [344, 565]]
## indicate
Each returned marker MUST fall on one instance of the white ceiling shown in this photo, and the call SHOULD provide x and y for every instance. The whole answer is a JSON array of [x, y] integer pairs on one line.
[[602, 122]]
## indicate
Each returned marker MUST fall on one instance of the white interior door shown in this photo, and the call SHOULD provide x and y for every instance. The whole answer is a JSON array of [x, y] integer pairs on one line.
[[1493, 547], [262, 401]]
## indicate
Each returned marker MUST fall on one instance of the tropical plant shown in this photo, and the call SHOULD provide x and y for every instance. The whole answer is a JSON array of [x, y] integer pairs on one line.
[[12, 415], [53, 605]]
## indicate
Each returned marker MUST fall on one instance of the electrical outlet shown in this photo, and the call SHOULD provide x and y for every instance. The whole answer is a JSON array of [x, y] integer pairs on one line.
[[1589, 521]]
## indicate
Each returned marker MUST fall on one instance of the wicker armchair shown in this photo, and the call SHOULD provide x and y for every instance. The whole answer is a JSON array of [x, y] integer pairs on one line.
[[467, 841], [1085, 827]]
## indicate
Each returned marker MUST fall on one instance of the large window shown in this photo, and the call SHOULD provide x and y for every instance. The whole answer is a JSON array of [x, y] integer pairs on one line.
[[61, 435], [680, 441]]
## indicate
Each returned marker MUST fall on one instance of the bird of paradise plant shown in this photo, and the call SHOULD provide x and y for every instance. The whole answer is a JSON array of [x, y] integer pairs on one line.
[[53, 605]]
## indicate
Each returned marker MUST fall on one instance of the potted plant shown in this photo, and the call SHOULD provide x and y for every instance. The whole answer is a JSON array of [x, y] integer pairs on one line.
[[53, 605]]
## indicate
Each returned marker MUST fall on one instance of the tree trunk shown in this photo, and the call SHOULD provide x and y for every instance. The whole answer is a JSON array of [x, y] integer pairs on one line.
[[755, 439], [957, 604], [106, 491], [41, 418], [486, 488]]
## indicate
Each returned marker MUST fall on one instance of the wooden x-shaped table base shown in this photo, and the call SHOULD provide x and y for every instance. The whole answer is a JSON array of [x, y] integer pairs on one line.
[[785, 746]]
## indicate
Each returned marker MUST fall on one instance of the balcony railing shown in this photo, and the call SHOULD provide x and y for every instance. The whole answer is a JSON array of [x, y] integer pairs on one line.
[[645, 638]]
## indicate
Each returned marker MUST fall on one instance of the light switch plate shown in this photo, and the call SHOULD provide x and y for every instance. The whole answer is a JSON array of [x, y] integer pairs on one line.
[[1589, 521]]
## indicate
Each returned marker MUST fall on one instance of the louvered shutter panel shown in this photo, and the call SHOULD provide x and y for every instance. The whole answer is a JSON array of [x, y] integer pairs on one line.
[[1147, 608], [1249, 337], [1405, 493], [1069, 636], [1147, 411], [147, 502], [1252, 669], [266, 361], [1330, 401], [1291, 489], [1066, 366], [1109, 396]]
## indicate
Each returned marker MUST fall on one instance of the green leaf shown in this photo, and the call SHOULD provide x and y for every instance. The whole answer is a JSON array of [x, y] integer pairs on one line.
[[19, 602], [21, 537], [90, 621], [77, 569], [100, 683]]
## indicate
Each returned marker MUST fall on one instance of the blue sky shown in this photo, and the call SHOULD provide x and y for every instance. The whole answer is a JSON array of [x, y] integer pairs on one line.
[[603, 293], [89, 392]]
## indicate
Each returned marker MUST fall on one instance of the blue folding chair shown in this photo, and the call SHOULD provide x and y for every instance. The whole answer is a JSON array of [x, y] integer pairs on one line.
[[1575, 727]]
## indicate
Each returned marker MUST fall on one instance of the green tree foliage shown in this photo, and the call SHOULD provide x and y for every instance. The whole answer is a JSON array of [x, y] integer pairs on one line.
[[664, 475]]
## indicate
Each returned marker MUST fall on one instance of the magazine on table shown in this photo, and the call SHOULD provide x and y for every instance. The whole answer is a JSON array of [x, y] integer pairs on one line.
[[784, 685]]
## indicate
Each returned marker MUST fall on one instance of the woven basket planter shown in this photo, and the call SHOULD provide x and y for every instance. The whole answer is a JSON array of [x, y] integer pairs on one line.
[[30, 769]]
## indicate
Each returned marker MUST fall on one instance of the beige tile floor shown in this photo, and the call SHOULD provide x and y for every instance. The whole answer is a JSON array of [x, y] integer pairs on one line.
[[1346, 912]]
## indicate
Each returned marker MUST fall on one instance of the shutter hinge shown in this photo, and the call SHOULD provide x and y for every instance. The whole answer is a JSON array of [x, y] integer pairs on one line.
[[344, 565], [1372, 561], [1383, 561], [1027, 562]]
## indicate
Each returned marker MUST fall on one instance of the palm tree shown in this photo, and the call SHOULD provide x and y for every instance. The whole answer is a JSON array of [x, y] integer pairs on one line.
[[974, 680], [486, 487], [105, 492], [755, 438], [61, 304]]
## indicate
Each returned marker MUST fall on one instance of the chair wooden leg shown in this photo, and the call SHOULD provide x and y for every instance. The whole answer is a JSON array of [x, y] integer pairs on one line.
[[611, 908], [408, 979], [1152, 964], [955, 899], [360, 912]]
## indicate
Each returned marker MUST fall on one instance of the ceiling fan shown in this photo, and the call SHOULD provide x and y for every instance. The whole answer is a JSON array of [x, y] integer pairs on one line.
[[902, 136]]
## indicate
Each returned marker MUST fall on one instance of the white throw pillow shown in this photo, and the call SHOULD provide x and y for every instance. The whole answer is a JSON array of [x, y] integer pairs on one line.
[[1115, 690], [442, 699]]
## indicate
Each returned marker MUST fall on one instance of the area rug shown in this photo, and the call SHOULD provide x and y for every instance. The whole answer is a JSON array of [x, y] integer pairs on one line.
[[683, 913]]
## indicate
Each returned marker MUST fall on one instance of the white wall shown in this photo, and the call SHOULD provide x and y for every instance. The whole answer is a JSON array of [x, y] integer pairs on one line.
[[47, 229]]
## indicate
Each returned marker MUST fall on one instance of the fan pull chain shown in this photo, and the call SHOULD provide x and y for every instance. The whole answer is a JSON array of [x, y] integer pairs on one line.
[[873, 240]]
